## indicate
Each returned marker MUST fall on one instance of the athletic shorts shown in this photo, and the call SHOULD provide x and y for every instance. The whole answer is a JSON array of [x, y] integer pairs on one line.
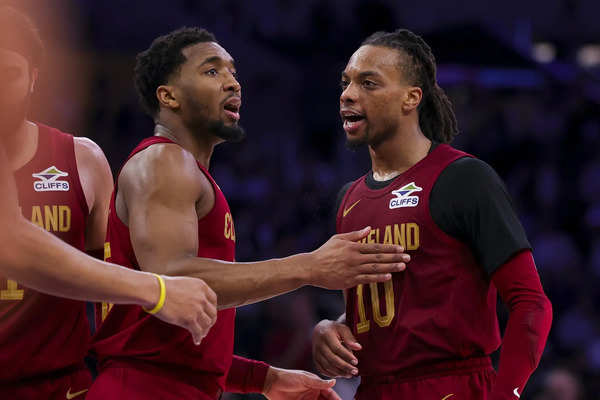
[[133, 383], [470, 379], [70, 385]]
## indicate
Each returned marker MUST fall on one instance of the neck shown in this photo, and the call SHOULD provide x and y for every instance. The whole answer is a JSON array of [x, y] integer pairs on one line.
[[200, 145], [21, 144], [399, 153]]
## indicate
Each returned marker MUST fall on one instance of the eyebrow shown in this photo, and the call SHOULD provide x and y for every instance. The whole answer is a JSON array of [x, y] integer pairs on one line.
[[364, 74], [215, 59]]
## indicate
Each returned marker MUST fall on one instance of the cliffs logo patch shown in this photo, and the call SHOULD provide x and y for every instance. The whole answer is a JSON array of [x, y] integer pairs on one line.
[[403, 196], [48, 180]]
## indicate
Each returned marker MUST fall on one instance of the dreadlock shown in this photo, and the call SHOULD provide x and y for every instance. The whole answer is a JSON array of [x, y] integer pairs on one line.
[[436, 116]]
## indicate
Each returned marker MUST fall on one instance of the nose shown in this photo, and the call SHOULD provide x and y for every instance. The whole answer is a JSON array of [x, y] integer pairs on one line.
[[349, 94], [231, 84]]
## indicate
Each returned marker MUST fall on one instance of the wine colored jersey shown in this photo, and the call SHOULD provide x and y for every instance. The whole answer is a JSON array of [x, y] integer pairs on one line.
[[41, 334], [131, 337], [442, 307]]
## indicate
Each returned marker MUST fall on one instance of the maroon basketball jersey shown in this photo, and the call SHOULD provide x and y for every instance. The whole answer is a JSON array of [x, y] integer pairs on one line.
[[442, 307], [131, 337], [40, 334]]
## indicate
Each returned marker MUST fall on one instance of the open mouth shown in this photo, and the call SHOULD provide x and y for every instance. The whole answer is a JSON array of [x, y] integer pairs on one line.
[[232, 108], [352, 121]]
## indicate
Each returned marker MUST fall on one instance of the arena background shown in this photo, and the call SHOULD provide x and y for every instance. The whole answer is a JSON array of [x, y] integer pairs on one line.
[[524, 77]]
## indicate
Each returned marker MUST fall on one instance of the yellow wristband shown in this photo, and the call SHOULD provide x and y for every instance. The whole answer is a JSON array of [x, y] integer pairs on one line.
[[161, 299]]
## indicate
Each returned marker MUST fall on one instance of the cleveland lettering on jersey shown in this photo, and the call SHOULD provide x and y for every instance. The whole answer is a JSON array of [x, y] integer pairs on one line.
[[53, 218], [404, 234]]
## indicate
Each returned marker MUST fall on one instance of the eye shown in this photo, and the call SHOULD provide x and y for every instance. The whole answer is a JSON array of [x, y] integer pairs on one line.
[[211, 72], [343, 84], [369, 84]]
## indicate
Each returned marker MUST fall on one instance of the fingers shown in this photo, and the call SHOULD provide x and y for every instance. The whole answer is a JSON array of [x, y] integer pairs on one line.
[[333, 365], [385, 258], [205, 321], [313, 381], [336, 347], [211, 295], [368, 269], [197, 332], [354, 235], [373, 248], [329, 394], [348, 338], [371, 278]]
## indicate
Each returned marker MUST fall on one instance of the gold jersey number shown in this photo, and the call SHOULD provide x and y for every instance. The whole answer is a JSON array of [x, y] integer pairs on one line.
[[12, 291], [380, 319], [106, 306]]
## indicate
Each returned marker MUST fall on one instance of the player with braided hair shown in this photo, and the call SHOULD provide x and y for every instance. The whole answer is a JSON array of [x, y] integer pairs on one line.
[[428, 333]]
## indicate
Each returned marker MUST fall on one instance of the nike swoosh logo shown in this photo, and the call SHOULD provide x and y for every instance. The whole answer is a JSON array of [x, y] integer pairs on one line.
[[347, 210], [73, 395], [516, 392], [448, 396]]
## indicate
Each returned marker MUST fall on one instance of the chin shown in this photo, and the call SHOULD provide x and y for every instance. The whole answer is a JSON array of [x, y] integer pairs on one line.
[[355, 143]]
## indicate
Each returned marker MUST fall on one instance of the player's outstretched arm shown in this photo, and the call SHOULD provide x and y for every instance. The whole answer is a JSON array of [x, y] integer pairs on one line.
[[43, 262], [39, 260], [160, 194]]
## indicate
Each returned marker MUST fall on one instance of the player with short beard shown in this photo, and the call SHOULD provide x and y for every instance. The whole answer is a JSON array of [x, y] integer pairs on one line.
[[429, 332]]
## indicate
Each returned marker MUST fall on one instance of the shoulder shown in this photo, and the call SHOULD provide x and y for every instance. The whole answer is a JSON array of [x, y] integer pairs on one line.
[[86, 149], [162, 167], [468, 177], [470, 168], [342, 193]]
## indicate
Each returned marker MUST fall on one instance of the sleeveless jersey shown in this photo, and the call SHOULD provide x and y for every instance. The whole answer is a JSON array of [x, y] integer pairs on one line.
[[442, 307], [40, 334], [131, 337]]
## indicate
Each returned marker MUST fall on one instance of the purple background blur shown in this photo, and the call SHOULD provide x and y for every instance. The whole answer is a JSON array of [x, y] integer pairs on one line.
[[524, 77]]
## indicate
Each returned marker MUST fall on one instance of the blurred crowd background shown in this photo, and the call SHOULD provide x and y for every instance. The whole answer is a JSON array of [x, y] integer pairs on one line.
[[525, 81]]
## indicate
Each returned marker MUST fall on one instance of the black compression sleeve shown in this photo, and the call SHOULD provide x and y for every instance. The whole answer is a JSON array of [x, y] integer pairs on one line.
[[470, 202], [338, 203]]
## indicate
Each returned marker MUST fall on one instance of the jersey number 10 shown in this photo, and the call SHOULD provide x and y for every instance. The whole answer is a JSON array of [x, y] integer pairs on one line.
[[382, 321]]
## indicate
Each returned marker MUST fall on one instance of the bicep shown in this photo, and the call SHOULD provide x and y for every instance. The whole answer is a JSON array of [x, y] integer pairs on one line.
[[162, 231], [161, 190]]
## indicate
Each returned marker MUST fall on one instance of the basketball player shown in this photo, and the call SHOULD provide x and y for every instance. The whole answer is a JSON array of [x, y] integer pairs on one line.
[[428, 333], [167, 212], [63, 186]]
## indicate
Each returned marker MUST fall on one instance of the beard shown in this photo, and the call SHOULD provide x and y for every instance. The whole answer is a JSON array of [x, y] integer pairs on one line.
[[200, 124], [232, 134], [369, 139]]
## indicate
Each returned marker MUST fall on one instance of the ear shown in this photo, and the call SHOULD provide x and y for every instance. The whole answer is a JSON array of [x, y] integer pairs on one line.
[[412, 98], [34, 76], [166, 97]]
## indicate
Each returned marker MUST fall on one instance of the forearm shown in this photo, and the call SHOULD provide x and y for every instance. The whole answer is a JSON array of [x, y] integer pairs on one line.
[[41, 261], [238, 284], [528, 324], [522, 347]]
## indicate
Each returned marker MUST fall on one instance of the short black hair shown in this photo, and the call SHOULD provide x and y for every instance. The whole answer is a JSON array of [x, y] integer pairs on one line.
[[436, 115], [18, 33], [158, 63]]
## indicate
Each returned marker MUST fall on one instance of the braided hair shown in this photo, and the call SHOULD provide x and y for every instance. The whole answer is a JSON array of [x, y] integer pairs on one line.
[[436, 116]]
